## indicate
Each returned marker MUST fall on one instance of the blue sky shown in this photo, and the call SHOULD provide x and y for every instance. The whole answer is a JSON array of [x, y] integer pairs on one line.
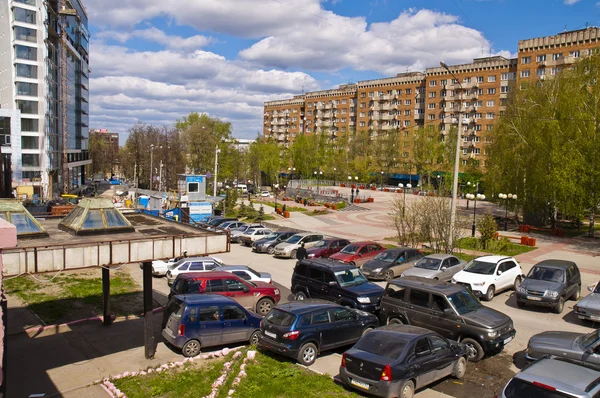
[[154, 61]]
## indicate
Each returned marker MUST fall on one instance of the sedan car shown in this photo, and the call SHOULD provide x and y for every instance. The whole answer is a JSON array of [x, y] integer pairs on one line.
[[289, 247], [247, 273], [396, 360], [160, 267], [487, 275], [265, 194], [437, 266], [192, 264], [580, 347], [358, 253], [391, 263], [236, 233], [303, 329], [253, 234], [327, 247], [268, 243], [589, 307]]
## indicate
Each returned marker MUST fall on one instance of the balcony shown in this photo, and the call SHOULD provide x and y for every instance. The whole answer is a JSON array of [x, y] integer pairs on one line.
[[386, 107], [387, 97], [327, 106], [387, 117], [419, 115], [565, 60], [375, 108]]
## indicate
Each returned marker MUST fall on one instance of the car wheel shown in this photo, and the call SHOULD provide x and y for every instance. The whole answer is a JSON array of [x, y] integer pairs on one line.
[[271, 250], [254, 337], [300, 296], [293, 254], [474, 349], [191, 348], [396, 321], [389, 274], [520, 304], [264, 306], [460, 367], [489, 295], [577, 294], [560, 305], [517, 283], [407, 390], [307, 354], [367, 330]]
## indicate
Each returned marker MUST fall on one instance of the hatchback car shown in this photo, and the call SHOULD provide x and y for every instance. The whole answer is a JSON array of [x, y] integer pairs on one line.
[[247, 273], [253, 234], [302, 330], [550, 283], [215, 222], [229, 225], [289, 247], [191, 264], [589, 306], [487, 275], [358, 253], [327, 247], [196, 321], [236, 233], [579, 347], [396, 360], [255, 296], [391, 263], [553, 378], [268, 243], [436, 266]]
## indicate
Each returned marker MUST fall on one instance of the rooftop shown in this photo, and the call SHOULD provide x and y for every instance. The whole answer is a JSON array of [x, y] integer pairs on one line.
[[427, 283]]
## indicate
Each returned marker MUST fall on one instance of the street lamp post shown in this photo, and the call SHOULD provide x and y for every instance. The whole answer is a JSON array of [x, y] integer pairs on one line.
[[468, 195], [334, 175], [506, 197], [151, 161], [438, 184], [381, 180], [474, 198], [276, 188], [456, 161], [352, 191], [319, 179], [217, 151]]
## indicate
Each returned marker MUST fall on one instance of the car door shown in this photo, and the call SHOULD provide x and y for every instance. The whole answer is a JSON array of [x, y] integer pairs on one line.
[[401, 263], [454, 267], [235, 325], [310, 240], [182, 268], [423, 363], [210, 325], [344, 322], [445, 324], [571, 283], [315, 285], [216, 286], [362, 256], [393, 303], [240, 292], [503, 280], [442, 355], [418, 308], [321, 326]]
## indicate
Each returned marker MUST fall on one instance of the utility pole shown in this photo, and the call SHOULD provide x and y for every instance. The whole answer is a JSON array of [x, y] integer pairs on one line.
[[217, 151], [151, 160], [160, 177]]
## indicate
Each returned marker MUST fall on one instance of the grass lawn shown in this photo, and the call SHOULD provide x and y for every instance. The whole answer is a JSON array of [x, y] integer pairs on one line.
[[75, 295], [497, 247]]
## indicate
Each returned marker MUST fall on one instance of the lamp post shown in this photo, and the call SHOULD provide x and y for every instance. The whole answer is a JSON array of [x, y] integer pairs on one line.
[[468, 195], [319, 179], [316, 178], [506, 197], [474, 198], [456, 161], [151, 161], [276, 187], [438, 184], [217, 151], [334, 175], [352, 191], [381, 180]]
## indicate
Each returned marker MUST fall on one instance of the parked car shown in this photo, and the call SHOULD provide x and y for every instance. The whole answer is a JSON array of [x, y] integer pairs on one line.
[[255, 296], [553, 378], [196, 321], [327, 247], [289, 247], [302, 330], [589, 306], [228, 225], [358, 253], [579, 347], [337, 282], [160, 267], [436, 266], [247, 273], [390, 263], [192, 264], [253, 234], [217, 221], [396, 360], [550, 283], [265, 194], [448, 309], [268, 243], [487, 275], [236, 233]]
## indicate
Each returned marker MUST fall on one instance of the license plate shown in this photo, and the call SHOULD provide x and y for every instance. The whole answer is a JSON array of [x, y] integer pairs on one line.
[[591, 317], [508, 340], [271, 335], [359, 384], [534, 298]]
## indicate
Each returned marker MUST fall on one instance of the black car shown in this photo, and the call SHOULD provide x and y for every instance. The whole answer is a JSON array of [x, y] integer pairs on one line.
[[549, 284], [396, 360], [302, 330], [268, 243], [391, 263], [335, 281]]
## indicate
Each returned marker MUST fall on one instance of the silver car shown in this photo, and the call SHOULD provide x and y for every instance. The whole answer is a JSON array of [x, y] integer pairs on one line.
[[236, 233], [577, 347], [436, 266], [292, 244], [589, 307]]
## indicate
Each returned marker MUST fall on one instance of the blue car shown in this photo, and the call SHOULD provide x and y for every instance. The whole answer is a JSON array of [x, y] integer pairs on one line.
[[204, 320], [302, 329]]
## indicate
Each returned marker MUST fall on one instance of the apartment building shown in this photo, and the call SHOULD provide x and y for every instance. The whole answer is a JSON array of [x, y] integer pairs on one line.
[[44, 77], [284, 119], [331, 111]]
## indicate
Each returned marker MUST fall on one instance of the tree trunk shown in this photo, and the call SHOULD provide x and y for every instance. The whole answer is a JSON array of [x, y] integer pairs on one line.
[[591, 230]]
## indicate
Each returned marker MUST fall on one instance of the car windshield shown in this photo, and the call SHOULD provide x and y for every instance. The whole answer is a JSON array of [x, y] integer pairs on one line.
[[252, 270], [480, 267], [350, 277], [386, 256], [176, 264], [381, 343], [429, 263], [464, 302], [597, 288], [215, 221], [547, 274], [273, 235], [351, 249], [321, 243], [242, 228], [250, 231], [590, 339], [294, 239]]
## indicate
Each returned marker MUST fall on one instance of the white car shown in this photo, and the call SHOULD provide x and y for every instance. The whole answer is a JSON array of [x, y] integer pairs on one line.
[[236, 233], [487, 275], [265, 194], [192, 264], [252, 235], [247, 273], [289, 247], [160, 267]]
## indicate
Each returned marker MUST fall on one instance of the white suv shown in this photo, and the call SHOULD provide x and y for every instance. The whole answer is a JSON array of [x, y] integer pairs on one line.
[[490, 274]]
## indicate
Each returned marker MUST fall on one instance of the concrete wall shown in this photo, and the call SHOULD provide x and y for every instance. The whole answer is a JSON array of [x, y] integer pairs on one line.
[[8, 239]]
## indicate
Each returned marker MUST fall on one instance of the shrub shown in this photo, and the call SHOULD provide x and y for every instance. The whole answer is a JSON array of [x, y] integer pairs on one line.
[[487, 228]]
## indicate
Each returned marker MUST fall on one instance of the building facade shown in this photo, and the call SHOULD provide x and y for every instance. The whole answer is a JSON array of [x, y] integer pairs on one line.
[[44, 74], [284, 120]]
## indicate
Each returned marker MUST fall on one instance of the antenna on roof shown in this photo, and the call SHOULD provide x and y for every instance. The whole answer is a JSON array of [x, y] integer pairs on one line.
[[482, 51], [565, 27], [302, 89]]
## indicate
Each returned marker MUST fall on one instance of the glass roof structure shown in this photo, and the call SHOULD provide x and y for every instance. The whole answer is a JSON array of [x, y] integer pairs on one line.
[[15, 213], [95, 216]]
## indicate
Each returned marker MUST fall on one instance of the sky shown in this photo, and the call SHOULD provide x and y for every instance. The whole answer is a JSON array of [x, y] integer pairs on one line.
[[155, 61]]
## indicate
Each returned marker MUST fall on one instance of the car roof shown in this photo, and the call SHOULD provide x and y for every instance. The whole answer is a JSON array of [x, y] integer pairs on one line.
[[332, 239], [560, 374], [205, 275], [408, 332], [307, 233], [553, 263], [426, 283], [328, 263], [364, 242], [232, 268], [305, 306], [205, 298], [493, 259], [439, 256], [199, 258]]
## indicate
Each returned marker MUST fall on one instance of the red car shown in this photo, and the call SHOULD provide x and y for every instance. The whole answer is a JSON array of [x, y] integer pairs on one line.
[[254, 296], [358, 253], [326, 247]]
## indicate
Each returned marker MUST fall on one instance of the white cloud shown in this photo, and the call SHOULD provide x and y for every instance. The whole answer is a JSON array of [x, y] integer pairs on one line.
[[571, 2], [158, 36]]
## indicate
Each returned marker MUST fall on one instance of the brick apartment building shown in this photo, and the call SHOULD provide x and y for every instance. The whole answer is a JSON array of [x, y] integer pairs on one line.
[[432, 99]]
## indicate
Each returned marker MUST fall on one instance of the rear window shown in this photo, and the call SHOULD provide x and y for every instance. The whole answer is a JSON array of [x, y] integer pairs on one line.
[[280, 318], [517, 388], [176, 307], [383, 344]]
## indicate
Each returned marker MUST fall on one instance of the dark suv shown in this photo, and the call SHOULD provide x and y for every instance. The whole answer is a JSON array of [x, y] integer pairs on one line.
[[550, 283], [335, 281], [449, 309], [302, 329]]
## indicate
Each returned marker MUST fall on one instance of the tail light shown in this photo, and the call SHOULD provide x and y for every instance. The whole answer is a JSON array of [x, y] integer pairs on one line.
[[292, 335], [260, 324], [544, 386], [271, 281], [343, 360], [181, 329], [386, 375]]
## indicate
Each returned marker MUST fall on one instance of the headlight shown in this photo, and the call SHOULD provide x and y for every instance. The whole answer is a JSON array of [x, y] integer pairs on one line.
[[363, 300], [521, 289], [287, 249], [311, 255], [377, 270], [493, 334], [276, 291], [551, 293], [402, 275], [479, 284]]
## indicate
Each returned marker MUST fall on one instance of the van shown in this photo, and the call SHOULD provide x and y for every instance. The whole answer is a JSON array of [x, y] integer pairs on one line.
[[243, 188]]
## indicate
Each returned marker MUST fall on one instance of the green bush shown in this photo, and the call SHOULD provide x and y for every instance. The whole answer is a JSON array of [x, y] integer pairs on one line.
[[487, 228]]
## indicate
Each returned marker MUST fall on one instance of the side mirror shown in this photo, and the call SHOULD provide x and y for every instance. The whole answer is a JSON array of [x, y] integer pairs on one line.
[[332, 283], [448, 311], [246, 289], [591, 288], [444, 268], [499, 273]]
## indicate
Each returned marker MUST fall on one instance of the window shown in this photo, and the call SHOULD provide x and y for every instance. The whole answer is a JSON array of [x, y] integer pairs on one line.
[[408, 91], [29, 142], [193, 187], [30, 160], [320, 317], [395, 292], [478, 104], [363, 104], [431, 116], [23, 15], [344, 101], [432, 94], [407, 102], [491, 90], [507, 76], [25, 34], [371, 94], [362, 124], [420, 298], [300, 269], [489, 127], [554, 71], [363, 95], [407, 112], [209, 265], [233, 312], [443, 82], [341, 314], [24, 52], [310, 104], [479, 79], [406, 123], [316, 274], [525, 60], [431, 106], [422, 348], [234, 285], [437, 343], [540, 72], [196, 266], [505, 266], [432, 83], [490, 103], [489, 115], [525, 73], [540, 58], [478, 116], [29, 124], [28, 2], [209, 314], [215, 285], [505, 89], [438, 303], [491, 78], [574, 54], [556, 56]]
